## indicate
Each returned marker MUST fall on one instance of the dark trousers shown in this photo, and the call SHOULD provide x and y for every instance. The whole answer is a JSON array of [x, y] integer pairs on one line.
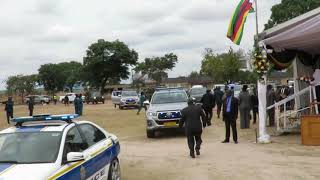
[[9, 115], [219, 105], [194, 141], [140, 107], [254, 113], [271, 113], [30, 112], [318, 96], [230, 123], [208, 112]]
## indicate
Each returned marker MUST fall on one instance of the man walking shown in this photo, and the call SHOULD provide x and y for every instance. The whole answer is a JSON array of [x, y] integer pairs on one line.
[[208, 103], [9, 109], [193, 118], [245, 107], [31, 106], [141, 102], [255, 105], [230, 115], [218, 95]]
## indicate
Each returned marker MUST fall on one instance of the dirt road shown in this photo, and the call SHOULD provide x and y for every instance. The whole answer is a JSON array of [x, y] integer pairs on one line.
[[166, 157]]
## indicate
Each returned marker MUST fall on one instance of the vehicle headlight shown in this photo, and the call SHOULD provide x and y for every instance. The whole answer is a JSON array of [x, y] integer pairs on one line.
[[152, 114], [123, 100], [94, 97]]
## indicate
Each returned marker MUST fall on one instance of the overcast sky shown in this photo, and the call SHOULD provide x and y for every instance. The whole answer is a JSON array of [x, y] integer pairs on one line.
[[35, 32]]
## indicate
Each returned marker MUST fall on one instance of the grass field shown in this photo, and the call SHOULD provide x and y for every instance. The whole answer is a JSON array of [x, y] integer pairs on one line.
[[166, 157]]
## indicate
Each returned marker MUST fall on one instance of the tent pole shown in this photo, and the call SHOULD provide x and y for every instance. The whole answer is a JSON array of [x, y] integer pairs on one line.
[[262, 91]]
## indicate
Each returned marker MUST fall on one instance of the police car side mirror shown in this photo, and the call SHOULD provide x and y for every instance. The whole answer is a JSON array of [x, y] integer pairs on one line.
[[119, 95], [75, 157], [146, 104]]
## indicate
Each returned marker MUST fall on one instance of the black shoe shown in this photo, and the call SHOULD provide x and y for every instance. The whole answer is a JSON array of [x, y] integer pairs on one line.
[[209, 124], [236, 142], [198, 152], [225, 141], [192, 154]]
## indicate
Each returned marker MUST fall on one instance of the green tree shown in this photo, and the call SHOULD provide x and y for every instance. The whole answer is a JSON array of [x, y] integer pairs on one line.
[[222, 67], [51, 77], [289, 9], [107, 62], [72, 73], [156, 67], [21, 85]]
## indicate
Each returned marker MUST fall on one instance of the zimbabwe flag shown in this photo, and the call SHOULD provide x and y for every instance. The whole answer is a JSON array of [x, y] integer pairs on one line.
[[238, 20]]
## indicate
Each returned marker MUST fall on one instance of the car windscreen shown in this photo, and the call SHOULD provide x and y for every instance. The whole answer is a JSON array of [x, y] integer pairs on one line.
[[169, 97], [29, 147], [129, 93], [198, 91]]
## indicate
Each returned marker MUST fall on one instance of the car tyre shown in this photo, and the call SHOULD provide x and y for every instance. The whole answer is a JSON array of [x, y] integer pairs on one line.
[[120, 107], [151, 134], [114, 170]]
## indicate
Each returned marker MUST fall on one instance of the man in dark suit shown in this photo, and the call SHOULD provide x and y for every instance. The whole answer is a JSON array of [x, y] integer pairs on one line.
[[208, 104], [218, 96], [230, 115], [194, 119]]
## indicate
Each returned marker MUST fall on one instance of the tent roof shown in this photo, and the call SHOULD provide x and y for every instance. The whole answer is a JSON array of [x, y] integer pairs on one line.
[[300, 33]]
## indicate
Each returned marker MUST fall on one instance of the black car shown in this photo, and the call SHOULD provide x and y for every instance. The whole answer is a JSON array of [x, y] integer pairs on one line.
[[95, 98]]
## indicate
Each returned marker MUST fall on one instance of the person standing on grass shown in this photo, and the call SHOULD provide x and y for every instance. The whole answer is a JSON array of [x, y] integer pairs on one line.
[[255, 105], [55, 99], [141, 102], [31, 106], [76, 104], [195, 120], [66, 100], [208, 103], [218, 95], [80, 105], [9, 109], [245, 108], [230, 115]]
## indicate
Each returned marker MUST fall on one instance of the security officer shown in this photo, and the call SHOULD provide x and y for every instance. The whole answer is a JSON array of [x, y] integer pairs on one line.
[[31, 106], [194, 120], [9, 109], [208, 104], [77, 104]]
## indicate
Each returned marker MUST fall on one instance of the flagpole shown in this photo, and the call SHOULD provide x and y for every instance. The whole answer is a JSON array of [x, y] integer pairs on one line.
[[257, 22]]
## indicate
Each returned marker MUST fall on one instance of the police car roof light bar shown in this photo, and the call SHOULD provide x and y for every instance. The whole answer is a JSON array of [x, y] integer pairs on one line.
[[45, 117]]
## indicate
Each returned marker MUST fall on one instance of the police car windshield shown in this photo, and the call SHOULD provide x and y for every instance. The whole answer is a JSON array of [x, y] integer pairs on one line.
[[29, 147], [198, 91], [169, 97], [129, 93]]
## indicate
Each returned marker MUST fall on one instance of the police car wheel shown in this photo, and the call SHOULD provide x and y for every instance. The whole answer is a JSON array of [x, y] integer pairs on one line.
[[114, 170], [150, 134]]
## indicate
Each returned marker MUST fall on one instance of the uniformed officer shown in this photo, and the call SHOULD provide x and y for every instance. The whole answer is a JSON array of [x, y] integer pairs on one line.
[[31, 106], [77, 104], [9, 109], [194, 120], [141, 102]]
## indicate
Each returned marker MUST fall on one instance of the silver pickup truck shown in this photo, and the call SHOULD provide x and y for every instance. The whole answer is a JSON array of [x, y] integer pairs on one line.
[[164, 111]]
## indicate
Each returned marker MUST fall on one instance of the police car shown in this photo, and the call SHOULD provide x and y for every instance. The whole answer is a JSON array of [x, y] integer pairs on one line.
[[57, 147]]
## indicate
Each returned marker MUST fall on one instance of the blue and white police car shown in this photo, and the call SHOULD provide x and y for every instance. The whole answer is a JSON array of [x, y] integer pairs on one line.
[[57, 147]]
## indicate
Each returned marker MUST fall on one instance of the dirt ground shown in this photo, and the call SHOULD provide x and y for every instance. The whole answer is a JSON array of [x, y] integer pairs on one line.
[[166, 157]]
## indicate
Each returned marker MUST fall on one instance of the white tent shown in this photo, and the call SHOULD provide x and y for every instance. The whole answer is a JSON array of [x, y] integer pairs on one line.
[[299, 34]]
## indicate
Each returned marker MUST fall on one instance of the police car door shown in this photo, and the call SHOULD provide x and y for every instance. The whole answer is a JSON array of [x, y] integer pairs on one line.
[[99, 151], [75, 143]]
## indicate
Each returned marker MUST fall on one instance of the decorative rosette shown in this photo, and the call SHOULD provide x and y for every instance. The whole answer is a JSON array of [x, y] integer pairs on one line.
[[261, 64]]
